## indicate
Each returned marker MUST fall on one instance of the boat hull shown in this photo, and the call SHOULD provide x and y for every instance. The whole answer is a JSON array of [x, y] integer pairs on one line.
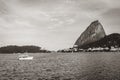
[[27, 58]]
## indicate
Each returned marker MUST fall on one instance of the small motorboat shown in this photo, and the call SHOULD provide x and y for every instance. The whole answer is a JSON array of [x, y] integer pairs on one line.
[[25, 57]]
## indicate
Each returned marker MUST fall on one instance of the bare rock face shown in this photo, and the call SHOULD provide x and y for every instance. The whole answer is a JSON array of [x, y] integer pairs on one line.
[[93, 33]]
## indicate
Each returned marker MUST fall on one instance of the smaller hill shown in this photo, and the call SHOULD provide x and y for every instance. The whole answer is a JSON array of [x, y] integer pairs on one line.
[[22, 49]]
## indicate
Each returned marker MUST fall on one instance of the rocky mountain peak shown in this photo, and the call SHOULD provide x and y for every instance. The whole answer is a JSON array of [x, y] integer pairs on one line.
[[94, 32], [95, 22]]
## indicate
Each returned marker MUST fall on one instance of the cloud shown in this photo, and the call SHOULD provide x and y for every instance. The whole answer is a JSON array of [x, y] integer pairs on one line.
[[42, 22], [111, 18], [4, 9], [112, 15]]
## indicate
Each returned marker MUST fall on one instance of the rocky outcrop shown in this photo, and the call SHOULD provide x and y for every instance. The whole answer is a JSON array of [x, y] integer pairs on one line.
[[109, 41], [93, 33]]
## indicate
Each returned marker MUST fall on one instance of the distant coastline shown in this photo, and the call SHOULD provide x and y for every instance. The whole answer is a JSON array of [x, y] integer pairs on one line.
[[22, 49]]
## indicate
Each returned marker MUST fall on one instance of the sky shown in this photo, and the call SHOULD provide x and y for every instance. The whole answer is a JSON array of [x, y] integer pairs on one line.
[[54, 24]]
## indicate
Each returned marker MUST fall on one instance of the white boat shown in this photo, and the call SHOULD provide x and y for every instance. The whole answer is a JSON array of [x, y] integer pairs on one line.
[[25, 57]]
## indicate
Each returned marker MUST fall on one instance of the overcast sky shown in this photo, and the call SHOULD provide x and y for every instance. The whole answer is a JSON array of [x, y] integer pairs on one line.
[[54, 24]]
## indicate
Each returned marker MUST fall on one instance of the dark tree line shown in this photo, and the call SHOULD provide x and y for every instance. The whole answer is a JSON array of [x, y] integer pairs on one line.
[[21, 49], [108, 41]]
